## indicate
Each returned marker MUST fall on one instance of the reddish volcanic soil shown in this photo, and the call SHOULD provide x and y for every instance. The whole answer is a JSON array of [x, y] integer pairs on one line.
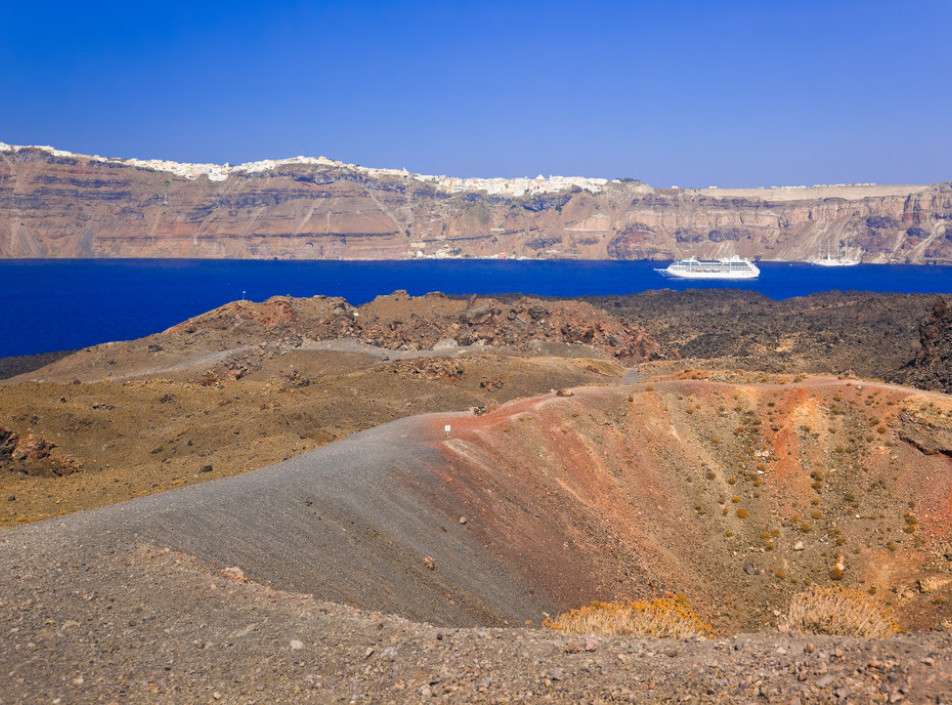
[[767, 486], [559, 481], [543, 504], [734, 493]]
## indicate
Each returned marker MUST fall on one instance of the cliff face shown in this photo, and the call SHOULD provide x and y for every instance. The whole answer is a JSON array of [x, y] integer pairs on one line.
[[932, 366], [57, 204]]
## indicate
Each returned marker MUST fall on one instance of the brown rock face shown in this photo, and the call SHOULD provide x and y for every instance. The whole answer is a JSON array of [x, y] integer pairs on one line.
[[932, 367], [931, 436], [55, 204], [31, 455], [240, 335]]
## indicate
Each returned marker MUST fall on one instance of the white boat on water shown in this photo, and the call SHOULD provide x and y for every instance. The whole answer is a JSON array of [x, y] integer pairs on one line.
[[733, 268], [830, 261]]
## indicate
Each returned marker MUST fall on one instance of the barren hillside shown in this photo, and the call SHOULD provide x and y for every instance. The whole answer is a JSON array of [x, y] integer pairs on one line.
[[472, 464], [738, 493]]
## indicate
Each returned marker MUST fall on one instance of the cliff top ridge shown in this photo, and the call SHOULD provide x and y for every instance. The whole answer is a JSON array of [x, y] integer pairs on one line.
[[495, 186]]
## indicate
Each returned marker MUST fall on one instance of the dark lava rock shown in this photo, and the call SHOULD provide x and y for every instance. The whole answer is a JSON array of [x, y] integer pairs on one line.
[[932, 366]]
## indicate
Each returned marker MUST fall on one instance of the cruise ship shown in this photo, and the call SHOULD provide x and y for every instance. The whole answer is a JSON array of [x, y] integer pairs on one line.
[[733, 268]]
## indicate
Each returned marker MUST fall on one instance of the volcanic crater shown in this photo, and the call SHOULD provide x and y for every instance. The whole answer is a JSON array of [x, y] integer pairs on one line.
[[483, 481]]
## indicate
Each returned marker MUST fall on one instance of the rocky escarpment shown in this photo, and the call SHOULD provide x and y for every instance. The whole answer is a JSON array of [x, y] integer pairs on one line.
[[932, 366], [865, 334], [401, 322], [239, 336], [58, 204]]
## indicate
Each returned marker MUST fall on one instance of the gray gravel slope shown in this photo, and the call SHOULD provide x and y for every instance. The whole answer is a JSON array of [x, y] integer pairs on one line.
[[350, 522]]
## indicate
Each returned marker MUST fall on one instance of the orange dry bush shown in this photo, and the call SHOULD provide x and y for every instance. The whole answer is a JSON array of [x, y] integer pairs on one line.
[[842, 612], [661, 617]]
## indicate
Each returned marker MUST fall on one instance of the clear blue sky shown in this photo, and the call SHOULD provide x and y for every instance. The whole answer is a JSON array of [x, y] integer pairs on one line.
[[732, 92]]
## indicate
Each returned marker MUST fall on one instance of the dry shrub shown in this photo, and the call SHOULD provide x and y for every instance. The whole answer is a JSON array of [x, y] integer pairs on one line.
[[842, 612], [661, 617]]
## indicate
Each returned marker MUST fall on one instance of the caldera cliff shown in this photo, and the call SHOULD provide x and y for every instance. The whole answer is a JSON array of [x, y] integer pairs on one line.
[[57, 204]]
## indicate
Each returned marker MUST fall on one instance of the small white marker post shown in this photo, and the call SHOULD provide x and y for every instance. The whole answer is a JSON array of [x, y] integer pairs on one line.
[[447, 429]]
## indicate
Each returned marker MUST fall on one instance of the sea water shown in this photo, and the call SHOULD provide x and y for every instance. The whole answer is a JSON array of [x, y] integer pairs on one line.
[[53, 305]]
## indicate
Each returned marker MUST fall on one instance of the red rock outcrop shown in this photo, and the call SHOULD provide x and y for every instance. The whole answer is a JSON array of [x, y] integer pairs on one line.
[[401, 322], [32, 455]]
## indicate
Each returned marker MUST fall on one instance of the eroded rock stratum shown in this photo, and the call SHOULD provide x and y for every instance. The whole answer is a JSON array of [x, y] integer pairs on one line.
[[59, 204]]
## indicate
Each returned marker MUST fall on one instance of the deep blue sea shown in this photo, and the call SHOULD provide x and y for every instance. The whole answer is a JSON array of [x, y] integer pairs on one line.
[[53, 305]]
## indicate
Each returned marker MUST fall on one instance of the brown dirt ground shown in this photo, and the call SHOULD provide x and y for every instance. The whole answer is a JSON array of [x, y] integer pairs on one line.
[[628, 486], [136, 437], [153, 626]]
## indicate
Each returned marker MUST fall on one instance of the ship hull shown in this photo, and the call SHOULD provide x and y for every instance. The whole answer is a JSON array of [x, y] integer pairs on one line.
[[835, 262], [733, 269], [710, 275]]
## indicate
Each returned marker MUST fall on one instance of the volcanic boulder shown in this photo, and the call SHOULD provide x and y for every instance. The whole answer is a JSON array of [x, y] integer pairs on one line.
[[32, 455]]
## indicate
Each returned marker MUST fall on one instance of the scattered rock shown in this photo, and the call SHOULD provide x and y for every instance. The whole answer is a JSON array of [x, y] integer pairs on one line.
[[32, 455], [235, 574], [932, 583], [32, 448]]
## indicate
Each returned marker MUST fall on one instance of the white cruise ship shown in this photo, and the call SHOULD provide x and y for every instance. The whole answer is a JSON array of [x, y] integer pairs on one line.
[[733, 268]]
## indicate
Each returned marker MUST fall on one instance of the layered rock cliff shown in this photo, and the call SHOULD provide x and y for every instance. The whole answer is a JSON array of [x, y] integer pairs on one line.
[[59, 204]]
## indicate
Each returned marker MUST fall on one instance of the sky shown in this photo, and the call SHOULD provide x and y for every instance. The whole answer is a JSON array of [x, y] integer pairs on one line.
[[733, 93]]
